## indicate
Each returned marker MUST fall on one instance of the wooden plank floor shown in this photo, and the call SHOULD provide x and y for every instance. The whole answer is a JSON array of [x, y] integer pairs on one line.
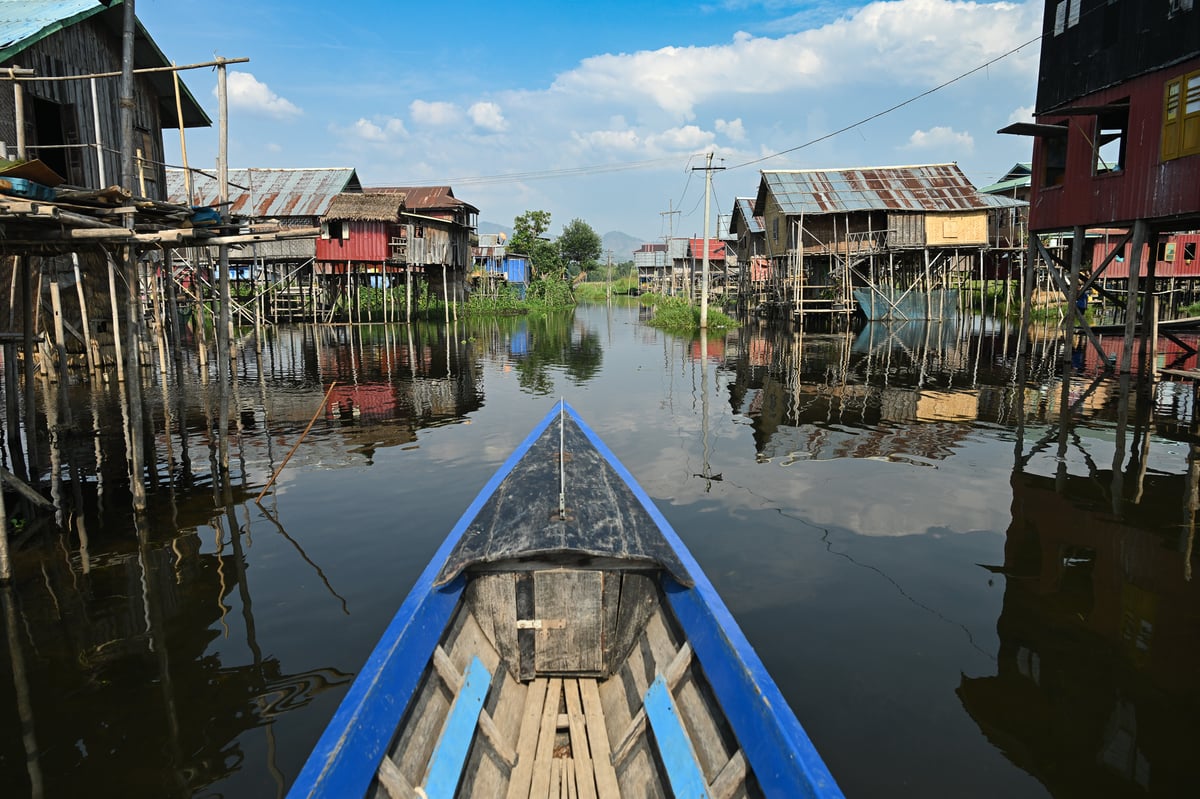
[[562, 752]]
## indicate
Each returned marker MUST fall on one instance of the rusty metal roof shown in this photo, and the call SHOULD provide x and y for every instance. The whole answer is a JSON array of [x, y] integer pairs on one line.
[[754, 224], [268, 193], [425, 198], [923, 188]]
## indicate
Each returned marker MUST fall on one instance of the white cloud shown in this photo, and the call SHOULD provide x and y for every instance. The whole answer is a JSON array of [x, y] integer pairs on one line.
[[733, 129], [1022, 114], [248, 93], [488, 116], [435, 114], [941, 138], [900, 42], [623, 141]]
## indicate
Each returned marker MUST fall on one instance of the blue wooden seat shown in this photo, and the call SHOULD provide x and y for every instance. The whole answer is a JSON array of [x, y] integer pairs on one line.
[[674, 745], [450, 753]]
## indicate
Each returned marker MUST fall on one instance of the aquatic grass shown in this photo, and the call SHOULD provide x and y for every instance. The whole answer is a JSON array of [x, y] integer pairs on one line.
[[678, 315]]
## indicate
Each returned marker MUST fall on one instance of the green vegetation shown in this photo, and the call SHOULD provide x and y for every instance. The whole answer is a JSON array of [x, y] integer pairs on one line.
[[598, 290], [677, 315], [579, 245]]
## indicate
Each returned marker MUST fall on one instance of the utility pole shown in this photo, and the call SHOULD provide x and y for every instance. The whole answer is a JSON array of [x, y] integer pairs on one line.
[[609, 273], [708, 170], [670, 214]]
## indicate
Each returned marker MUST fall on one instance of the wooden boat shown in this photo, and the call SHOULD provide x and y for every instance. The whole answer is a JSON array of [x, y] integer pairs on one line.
[[563, 642]]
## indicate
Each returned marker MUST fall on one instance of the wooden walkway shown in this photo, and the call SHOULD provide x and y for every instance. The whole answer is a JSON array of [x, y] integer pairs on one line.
[[562, 751]]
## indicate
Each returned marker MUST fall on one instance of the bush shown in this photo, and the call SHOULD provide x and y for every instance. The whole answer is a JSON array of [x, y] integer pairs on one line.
[[678, 315]]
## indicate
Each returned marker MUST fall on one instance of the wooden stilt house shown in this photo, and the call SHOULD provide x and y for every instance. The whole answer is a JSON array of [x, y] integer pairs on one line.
[[71, 123], [1116, 142]]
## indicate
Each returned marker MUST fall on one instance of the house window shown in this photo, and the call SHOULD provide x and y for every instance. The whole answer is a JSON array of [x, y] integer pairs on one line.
[[1054, 159], [1181, 117], [1066, 15], [1112, 132], [1189, 252], [775, 228]]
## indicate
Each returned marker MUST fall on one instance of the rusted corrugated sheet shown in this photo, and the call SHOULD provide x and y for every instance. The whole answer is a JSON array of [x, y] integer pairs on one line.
[[269, 193], [929, 187], [420, 199]]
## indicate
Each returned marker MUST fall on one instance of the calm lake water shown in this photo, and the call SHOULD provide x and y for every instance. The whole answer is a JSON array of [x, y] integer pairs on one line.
[[961, 588]]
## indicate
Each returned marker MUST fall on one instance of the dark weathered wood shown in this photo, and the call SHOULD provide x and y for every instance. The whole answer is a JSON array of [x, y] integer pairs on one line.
[[637, 602], [526, 637], [567, 605], [604, 518]]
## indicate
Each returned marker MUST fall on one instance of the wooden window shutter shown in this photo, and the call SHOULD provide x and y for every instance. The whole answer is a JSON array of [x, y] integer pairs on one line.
[[1171, 120]]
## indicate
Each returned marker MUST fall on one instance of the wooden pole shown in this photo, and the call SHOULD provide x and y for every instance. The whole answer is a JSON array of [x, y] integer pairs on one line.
[[19, 113], [223, 337], [187, 173], [83, 314], [25, 264], [1140, 231], [295, 446], [100, 170]]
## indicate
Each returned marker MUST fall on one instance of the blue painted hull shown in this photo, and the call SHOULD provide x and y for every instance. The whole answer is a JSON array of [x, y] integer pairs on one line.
[[783, 760]]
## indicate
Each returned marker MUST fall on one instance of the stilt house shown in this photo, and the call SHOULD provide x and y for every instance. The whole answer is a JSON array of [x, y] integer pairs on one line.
[[438, 235], [72, 123], [754, 259], [1116, 138], [894, 241]]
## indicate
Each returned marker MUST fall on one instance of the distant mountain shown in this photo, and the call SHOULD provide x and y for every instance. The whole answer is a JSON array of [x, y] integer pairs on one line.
[[621, 244]]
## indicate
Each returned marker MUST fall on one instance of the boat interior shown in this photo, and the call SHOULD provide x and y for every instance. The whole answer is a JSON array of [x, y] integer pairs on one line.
[[568, 682]]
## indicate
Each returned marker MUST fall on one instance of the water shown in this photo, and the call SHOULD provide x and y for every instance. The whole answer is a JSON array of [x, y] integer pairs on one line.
[[935, 572]]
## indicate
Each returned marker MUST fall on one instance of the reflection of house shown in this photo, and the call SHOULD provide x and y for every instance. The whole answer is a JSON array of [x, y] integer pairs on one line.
[[893, 241], [62, 118], [1099, 641]]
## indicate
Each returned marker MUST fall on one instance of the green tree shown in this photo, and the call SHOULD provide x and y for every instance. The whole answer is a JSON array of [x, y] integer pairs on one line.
[[528, 230], [579, 244]]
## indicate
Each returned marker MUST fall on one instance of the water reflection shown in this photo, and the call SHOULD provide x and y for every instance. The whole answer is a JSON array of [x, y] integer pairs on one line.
[[1011, 538]]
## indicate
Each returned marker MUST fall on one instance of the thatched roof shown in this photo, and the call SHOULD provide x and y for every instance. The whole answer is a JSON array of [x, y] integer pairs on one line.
[[365, 208]]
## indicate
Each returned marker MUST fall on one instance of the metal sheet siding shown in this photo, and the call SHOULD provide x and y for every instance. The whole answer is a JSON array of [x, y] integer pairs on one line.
[[1147, 188], [368, 243], [1178, 266], [931, 187], [268, 193]]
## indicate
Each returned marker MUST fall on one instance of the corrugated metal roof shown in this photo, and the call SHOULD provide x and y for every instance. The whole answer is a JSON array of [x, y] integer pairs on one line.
[[425, 198], [1002, 201], [28, 21], [754, 224], [716, 249], [268, 193], [923, 188]]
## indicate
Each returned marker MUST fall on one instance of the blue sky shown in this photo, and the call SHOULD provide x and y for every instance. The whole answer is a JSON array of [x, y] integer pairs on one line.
[[599, 111]]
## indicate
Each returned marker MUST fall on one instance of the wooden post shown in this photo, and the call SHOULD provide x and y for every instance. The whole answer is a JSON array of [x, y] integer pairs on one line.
[[446, 294], [223, 337], [116, 318], [1078, 239], [19, 111], [408, 293], [25, 264], [83, 314], [134, 383], [1150, 322], [1140, 229], [100, 170]]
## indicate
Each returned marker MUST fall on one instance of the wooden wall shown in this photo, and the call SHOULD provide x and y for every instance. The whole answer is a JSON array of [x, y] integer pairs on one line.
[[956, 229], [84, 48]]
